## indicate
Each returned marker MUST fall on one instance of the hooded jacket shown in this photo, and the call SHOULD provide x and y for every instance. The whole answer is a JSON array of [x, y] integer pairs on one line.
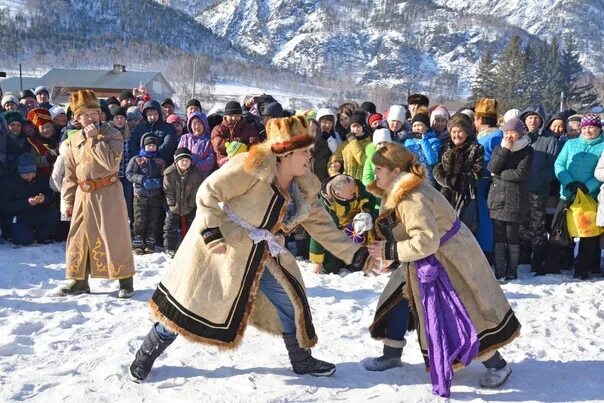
[[201, 148], [163, 131]]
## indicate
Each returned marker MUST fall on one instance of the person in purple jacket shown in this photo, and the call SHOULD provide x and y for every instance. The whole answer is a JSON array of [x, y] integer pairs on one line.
[[197, 140]]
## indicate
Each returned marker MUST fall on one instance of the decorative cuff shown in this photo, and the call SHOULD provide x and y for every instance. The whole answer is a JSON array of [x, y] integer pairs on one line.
[[316, 257], [211, 235], [390, 252]]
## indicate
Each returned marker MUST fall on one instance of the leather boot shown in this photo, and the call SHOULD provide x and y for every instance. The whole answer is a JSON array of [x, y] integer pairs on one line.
[[391, 358], [302, 361], [499, 253], [152, 347], [511, 272]]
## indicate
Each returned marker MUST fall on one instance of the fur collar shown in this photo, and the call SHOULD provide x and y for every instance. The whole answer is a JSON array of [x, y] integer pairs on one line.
[[400, 187], [262, 163]]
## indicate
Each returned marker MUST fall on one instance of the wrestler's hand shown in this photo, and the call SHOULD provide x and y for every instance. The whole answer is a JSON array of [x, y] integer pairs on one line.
[[219, 249], [91, 130], [69, 211], [316, 268], [375, 249]]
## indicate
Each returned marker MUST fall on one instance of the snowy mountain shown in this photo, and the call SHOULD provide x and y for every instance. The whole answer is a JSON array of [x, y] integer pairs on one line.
[[414, 43]]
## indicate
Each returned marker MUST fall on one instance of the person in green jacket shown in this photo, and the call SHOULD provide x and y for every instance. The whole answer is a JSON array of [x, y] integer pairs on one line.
[[380, 137]]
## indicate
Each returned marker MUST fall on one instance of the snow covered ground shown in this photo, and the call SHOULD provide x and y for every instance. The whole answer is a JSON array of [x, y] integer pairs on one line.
[[57, 349]]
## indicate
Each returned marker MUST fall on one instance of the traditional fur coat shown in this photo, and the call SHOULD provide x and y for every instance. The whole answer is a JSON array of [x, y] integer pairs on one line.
[[209, 298], [415, 216]]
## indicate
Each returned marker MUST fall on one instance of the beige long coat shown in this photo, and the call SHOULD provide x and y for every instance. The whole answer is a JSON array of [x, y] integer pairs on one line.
[[419, 217], [209, 298], [99, 237]]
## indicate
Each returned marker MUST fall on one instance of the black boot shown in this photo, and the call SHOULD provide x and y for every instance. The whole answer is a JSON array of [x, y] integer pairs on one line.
[[538, 258], [511, 271], [302, 361], [302, 246], [76, 287], [525, 254], [126, 288], [391, 358], [146, 355], [499, 255]]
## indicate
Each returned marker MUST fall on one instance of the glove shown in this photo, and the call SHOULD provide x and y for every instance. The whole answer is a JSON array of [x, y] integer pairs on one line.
[[359, 259], [152, 183], [576, 185], [362, 222]]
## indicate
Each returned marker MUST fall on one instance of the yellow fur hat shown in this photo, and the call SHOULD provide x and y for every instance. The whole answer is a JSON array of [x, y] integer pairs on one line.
[[284, 135], [82, 100], [486, 108]]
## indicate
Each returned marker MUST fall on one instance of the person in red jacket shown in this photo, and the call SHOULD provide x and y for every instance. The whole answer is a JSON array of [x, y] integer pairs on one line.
[[232, 128]]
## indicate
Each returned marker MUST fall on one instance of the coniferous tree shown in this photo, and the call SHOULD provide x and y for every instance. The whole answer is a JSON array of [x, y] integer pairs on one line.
[[554, 81], [509, 76], [533, 80], [484, 84], [579, 90]]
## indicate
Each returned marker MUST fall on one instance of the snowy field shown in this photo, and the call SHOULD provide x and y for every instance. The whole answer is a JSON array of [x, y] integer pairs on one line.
[[57, 349]]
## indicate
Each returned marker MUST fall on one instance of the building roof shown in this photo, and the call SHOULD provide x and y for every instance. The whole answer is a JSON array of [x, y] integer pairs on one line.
[[12, 84]]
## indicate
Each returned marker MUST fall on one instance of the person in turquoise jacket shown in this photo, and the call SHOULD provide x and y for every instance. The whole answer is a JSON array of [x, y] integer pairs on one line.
[[575, 169], [424, 143]]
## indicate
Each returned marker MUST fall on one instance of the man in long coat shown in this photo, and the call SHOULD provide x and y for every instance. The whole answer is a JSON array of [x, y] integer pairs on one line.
[[98, 244]]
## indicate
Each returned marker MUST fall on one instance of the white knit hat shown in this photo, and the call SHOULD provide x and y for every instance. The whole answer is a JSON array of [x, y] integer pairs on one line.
[[321, 113], [56, 111], [439, 111], [397, 112], [381, 135], [10, 98], [511, 114]]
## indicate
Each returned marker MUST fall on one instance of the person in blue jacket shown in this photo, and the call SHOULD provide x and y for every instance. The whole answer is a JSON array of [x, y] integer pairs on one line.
[[424, 143]]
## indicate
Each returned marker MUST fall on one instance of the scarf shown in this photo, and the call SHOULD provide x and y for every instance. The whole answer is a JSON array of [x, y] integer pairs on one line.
[[148, 154]]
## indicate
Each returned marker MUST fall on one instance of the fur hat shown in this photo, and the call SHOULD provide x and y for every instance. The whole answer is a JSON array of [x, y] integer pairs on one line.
[[39, 117], [12, 116], [182, 152], [591, 119], [418, 99], [486, 108], [397, 112], [464, 122], [421, 117], [10, 98], [82, 100], [381, 136], [284, 135]]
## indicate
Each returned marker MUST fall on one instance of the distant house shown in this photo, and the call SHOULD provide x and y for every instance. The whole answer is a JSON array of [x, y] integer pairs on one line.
[[105, 83], [13, 84]]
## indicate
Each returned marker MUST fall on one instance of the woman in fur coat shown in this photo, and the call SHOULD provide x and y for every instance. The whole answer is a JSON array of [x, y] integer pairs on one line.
[[445, 281], [232, 267]]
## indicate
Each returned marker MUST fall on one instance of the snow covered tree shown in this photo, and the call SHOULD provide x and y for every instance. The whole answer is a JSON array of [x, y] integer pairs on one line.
[[509, 73], [484, 84]]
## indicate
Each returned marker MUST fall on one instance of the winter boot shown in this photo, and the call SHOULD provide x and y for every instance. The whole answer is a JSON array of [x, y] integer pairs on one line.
[[138, 245], [498, 371], [126, 288], [302, 361], [170, 253], [500, 260], [511, 271], [538, 258], [302, 246], [150, 245], [146, 355], [525, 254], [76, 287], [391, 358]]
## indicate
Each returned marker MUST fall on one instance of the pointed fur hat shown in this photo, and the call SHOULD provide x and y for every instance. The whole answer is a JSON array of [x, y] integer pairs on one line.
[[82, 100]]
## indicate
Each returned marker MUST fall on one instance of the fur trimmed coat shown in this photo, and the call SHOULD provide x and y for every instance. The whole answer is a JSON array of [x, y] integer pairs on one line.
[[414, 217], [210, 298]]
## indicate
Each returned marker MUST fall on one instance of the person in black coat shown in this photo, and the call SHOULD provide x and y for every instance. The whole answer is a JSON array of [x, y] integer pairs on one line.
[[507, 200], [26, 199], [164, 132], [459, 168]]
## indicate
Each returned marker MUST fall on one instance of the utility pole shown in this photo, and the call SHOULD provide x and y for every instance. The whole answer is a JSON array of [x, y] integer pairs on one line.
[[20, 77], [194, 71]]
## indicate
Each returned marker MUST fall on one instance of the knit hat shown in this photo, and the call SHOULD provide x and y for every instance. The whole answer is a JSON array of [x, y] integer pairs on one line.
[[235, 147], [26, 94], [368, 107], [149, 138], [462, 121], [126, 94], [468, 112], [182, 152], [233, 108], [121, 111], [174, 118], [133, 113], [271, 109], [486, 108], [513, 124], [591, 119], [418, 99], [9, 98], [326, 113], [511, 114], [284, 135], [358, 118], [39, 117], [193, 102], [113, 101], [26, 164], [376, 117], [397, 112], [574, 118], [12, 116], [421, 117], [56, 111], [82, 100], [381, 135], [439, 111], [167, 101], [41, 89]]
